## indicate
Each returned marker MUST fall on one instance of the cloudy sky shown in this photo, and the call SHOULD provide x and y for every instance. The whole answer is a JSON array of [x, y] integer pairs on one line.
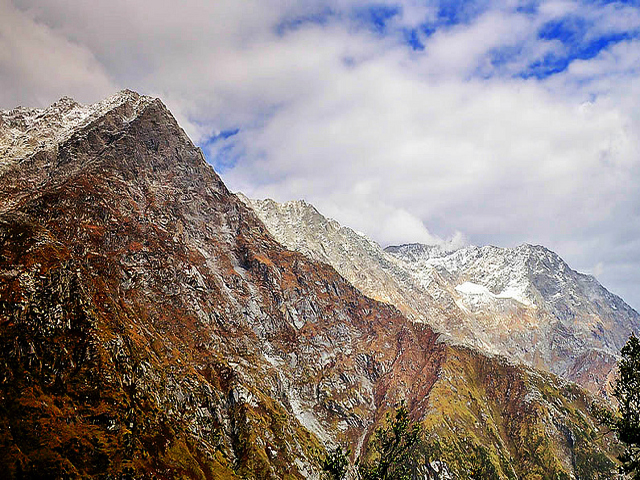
[[482, 122]]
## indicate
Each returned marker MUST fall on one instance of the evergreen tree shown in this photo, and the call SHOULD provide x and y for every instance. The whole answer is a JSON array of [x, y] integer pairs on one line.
[[627, 392], [626, 421], [336, 463], [400, 452]]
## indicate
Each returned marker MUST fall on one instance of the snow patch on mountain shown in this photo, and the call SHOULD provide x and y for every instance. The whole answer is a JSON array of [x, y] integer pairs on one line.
[[511, 292], [524, 303], [470, 288], [25, 131]]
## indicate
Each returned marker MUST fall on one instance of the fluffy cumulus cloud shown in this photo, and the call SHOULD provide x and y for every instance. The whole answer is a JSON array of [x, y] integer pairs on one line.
[[435, 121], [38, 64]]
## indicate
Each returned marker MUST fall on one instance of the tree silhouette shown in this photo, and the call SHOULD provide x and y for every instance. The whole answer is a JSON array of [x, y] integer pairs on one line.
[[336, 463], [626, 421], [400, 452]]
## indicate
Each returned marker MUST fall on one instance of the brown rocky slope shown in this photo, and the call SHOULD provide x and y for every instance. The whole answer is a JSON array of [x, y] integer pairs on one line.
[[151, 327], [524, 303]]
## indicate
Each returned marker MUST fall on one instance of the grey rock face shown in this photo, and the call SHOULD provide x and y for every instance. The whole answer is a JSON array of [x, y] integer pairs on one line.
[[524, 303], [153, 328], [156, 325]]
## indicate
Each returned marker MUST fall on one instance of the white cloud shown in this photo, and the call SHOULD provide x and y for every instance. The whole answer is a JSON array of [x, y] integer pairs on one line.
[[403, 145], [598, 269], [38, 66]]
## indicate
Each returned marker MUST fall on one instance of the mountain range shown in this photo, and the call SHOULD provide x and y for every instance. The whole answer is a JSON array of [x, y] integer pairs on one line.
[[153, 327], [524, 303]]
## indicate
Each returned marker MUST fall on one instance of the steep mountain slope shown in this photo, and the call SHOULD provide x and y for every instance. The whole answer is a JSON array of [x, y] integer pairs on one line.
[[524, 303], [569, 322], [300, 227], [153, 328]]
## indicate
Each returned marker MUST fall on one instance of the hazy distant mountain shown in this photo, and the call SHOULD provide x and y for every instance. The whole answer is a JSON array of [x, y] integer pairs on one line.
[[524, 303]]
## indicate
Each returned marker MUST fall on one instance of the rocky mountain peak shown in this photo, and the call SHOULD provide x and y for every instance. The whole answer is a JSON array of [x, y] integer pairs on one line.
[[25, 131], [524, 302], [47, 147], [418, 251], [155, 329], [64, 104]]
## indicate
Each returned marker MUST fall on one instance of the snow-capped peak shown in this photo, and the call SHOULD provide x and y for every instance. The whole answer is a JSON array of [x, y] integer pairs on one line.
[[24, 131], [523, 302]]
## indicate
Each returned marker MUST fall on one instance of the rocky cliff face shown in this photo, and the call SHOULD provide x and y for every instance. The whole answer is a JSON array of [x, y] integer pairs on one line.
[[524, 303], [152, 327], [533, 307]]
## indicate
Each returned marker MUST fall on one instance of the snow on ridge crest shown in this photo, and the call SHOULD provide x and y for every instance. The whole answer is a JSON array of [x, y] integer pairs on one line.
[[524, 302], [24, 131], [290, 214]]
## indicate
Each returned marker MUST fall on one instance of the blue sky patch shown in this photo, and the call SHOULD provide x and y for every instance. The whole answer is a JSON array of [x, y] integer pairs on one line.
[[451, 13], [460, 11], [593, 47], [504, 55], [549, 65], [427, 29], [412, 38], [376, 17], [632, 3], [291, 24], [568, 30], [573, 33], [224, 158], [221, 152], [223, 135], [528, 7]]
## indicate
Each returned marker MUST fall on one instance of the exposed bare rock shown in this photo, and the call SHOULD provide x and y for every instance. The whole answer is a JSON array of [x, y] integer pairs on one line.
[[153, 328], [524, 303]]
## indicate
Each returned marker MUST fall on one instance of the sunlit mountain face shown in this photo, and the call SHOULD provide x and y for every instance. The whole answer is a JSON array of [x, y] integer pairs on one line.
[[153, 327]]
